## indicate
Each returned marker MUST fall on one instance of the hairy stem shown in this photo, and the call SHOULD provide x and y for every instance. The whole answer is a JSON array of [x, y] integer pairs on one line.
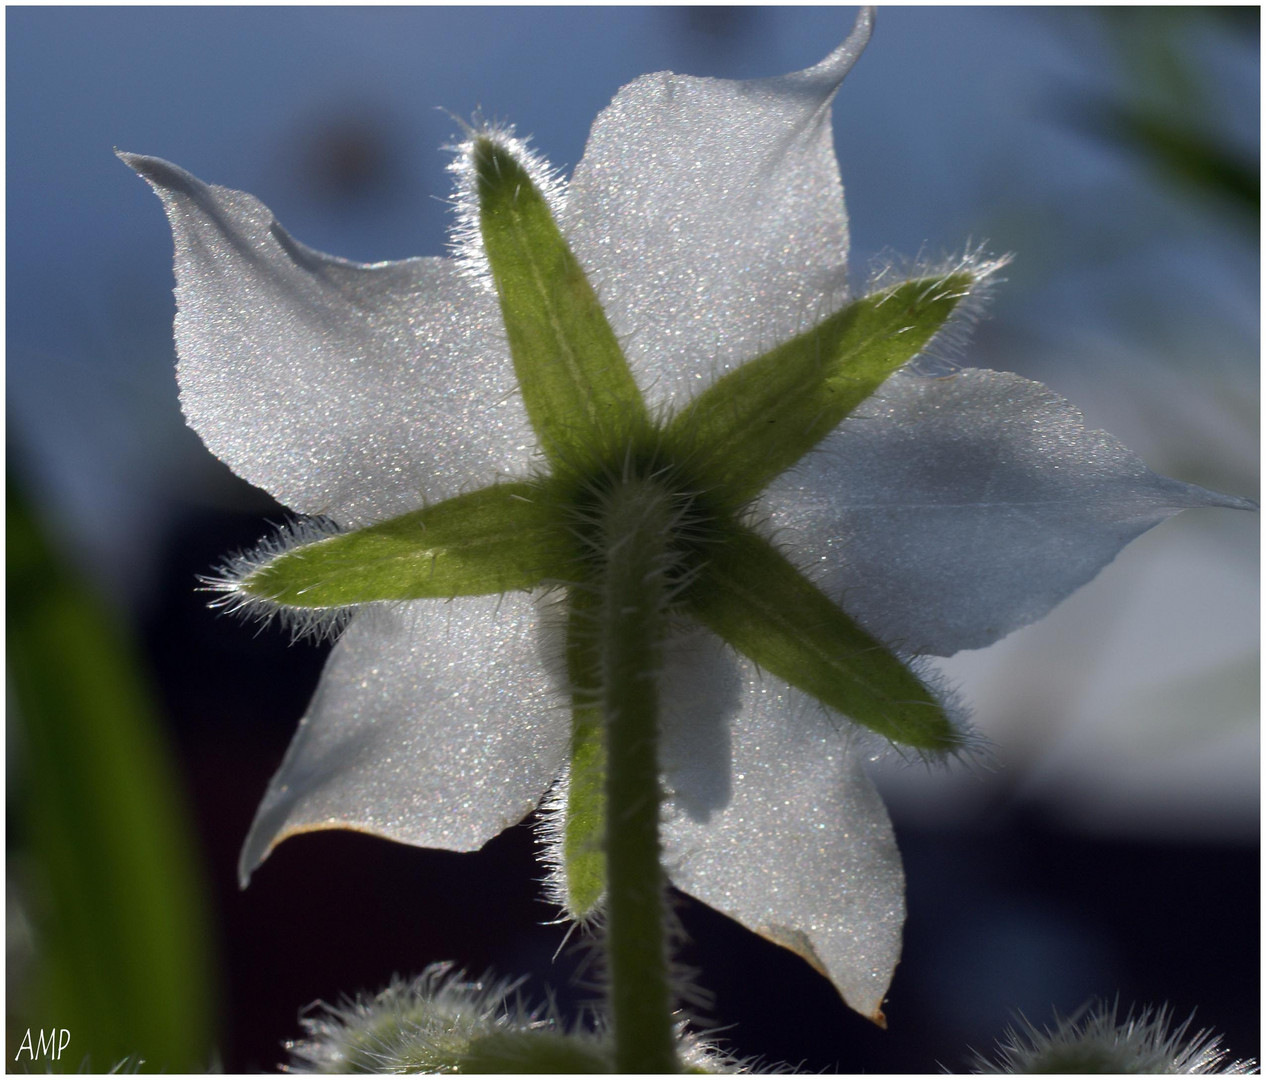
[[637, 528]]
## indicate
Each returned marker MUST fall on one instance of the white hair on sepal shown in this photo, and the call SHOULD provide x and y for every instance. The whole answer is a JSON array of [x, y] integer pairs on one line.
[[435, 1018], [550, 827], [1147, 1041], [972, 750], [550, 831], [941, 356], [314, 623], [466, 242]]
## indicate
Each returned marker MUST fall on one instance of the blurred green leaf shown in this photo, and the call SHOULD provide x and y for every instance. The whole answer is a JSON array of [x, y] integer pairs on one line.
[[1165, 113], [109, 877], [1181, 152]]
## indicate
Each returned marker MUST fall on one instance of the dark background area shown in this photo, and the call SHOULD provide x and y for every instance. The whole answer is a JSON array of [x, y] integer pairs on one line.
[[1114, 849]]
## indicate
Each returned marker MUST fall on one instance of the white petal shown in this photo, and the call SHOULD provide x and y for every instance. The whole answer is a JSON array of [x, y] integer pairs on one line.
[[771, 820], [710, 215], [435, 724], [342, 389], [948, 512]]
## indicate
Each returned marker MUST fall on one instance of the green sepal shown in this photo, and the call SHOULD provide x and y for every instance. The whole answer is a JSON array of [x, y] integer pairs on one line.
[[751, 596], [500, 538], [579, 394], [763, 417], [585, 814]]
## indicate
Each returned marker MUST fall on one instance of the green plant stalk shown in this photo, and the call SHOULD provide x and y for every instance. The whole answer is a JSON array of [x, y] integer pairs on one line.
[[635, 590]]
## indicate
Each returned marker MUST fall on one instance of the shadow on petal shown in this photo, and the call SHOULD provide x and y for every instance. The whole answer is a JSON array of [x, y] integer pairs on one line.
[[701, 695]]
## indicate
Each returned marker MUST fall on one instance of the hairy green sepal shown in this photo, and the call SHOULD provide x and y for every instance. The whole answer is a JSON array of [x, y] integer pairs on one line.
[[585, 817], [751, 596], [763, 417], [500, 538], [580, 396]]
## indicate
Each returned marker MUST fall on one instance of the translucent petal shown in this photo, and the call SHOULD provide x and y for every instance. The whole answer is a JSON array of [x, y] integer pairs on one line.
[[771, 820], [945, 513], [710, 215], [435, 724], [342, 389]]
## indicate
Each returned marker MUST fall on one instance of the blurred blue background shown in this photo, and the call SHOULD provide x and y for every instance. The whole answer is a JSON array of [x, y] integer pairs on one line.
[[1114, 849]]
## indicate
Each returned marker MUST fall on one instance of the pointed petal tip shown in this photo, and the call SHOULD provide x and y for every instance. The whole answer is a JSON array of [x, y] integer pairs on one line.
[[140, 163], [252, 858], [259, 845], [267, 831], [1235, 502], [1195, 497], [256, 850], [245, 868], [798, 942], [160, 174], [863, 25], [858, 38], [840, 60], [147, 168]]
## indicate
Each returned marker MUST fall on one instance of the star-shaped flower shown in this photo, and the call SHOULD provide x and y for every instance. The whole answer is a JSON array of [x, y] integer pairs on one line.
[[832, 513]]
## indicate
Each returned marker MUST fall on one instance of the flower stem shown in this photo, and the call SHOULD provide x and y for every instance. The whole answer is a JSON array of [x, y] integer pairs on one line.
[[638, 521]]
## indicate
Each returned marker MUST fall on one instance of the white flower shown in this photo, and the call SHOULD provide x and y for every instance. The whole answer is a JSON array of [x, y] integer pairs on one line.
[[708, 214]]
